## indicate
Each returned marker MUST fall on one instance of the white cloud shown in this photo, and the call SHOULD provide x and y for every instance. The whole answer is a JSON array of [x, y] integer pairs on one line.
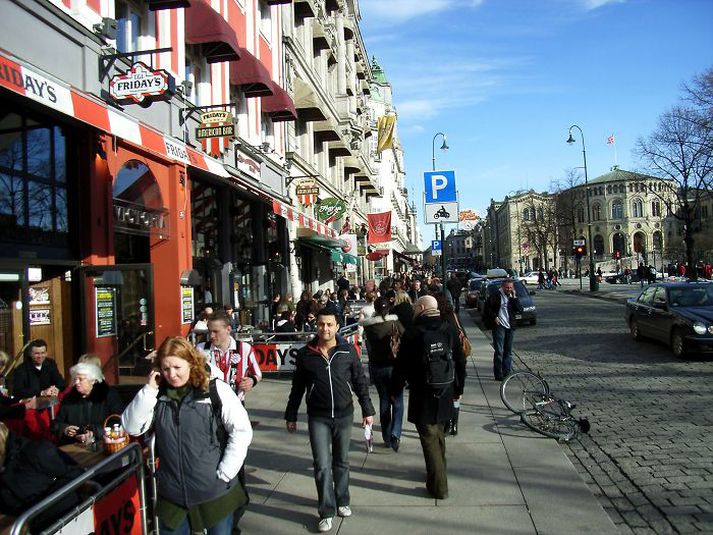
[[412, 129], [590, 5], [384, 12]]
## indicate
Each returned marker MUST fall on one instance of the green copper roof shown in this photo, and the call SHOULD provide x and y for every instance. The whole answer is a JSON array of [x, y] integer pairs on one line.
[[619, 175], [377, 72]]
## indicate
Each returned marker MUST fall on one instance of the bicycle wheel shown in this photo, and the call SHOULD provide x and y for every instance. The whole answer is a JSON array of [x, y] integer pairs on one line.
[[521, 390], [562, 427]]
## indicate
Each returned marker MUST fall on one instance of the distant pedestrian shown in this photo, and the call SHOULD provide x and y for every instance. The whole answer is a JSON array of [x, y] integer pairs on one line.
[[501, 309], [330, 370], [641, 272], [455, 287]]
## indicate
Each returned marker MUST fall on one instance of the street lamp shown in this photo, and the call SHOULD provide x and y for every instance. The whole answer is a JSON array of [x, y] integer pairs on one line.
[[444, 147], [593, 284]]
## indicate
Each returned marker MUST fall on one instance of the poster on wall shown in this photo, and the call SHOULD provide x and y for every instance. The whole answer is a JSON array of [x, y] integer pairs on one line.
[[105, 299], [187, 304], [39, 295], [40, 316]]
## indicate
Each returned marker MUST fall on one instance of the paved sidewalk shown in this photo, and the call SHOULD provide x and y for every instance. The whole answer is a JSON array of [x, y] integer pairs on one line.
[[503, 478]]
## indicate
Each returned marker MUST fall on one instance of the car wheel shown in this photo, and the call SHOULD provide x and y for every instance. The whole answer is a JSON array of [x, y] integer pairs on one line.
[[634, 328], [678, 344]]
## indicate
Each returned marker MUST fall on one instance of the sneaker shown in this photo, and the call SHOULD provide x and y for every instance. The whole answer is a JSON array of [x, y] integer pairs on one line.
[[344, 511], [325, 524]]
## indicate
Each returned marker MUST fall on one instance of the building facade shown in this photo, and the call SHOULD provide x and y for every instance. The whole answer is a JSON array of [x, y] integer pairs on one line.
[[151, 157]]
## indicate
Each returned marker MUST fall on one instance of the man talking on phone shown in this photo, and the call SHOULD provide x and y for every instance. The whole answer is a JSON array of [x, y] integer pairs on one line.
[[501, 310]]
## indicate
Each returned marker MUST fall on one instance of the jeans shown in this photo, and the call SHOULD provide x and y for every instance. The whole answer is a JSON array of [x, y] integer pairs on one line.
[[223, 527], [502, 357], [433, 443], [391, 414], [331, 468]]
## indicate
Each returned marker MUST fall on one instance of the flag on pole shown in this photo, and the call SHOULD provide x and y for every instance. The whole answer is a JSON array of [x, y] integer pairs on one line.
[[385, 126], [610, 140], [379, 227]]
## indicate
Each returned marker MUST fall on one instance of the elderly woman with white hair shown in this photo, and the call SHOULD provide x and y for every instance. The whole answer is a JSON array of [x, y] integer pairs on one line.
[[81, 417]]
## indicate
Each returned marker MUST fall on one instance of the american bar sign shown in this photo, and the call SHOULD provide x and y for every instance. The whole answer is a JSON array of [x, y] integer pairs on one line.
[[142, 85], [217, 123]]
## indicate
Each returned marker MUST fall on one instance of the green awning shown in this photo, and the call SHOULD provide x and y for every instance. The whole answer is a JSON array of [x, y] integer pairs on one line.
[[343, 258]]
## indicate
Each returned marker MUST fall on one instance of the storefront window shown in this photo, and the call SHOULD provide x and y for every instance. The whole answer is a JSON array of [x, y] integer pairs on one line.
[[33, 195]]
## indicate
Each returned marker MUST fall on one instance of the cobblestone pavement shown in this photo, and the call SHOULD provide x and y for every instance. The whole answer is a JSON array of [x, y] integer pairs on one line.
[[649, 456]]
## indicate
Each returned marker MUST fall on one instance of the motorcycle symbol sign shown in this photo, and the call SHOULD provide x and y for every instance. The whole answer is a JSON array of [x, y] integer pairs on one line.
[[445, 212]]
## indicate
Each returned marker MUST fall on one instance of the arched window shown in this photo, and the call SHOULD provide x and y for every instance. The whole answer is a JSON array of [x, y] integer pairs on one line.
[[637, 208], [657, 241], [580, 215], [617, 209], [598, 244], [618, 244], [540, 214], [526, 214], [596, 212], [609, 188], [656, 208]]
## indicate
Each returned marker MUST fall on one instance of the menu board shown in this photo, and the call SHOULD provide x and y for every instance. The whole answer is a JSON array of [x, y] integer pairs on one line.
[[105, 298], [187, 304]]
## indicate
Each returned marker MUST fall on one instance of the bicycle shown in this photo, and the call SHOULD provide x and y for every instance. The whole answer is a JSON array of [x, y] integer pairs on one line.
[[528, 395]]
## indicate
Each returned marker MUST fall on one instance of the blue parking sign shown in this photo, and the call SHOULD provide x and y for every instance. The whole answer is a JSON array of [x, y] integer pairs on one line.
[[440, 186], [435, 245]]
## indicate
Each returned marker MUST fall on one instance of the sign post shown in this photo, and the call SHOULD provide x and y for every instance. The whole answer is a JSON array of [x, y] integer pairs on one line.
[[441, 199]]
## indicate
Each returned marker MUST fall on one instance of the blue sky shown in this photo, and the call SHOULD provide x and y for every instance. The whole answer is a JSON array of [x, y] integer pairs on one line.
[[504, 79]]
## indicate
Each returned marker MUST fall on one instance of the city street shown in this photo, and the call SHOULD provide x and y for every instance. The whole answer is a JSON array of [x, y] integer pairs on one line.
[[649, 457]]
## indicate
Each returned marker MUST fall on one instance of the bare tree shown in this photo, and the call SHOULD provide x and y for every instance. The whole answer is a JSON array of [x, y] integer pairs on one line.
[[541, 227], [568, 202]]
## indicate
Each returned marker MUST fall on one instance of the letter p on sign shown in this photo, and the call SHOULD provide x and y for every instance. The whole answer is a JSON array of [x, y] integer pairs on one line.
[[440, 186]]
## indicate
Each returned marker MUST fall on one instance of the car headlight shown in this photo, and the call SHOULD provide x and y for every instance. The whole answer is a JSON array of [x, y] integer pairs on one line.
[[528, 309], [699, 328]]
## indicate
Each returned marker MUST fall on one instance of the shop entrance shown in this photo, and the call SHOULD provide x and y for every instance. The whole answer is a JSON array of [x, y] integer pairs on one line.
[[120, 311]]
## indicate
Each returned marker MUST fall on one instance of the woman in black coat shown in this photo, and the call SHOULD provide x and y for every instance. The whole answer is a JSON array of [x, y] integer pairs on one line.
[[29, 472], [84, 409]]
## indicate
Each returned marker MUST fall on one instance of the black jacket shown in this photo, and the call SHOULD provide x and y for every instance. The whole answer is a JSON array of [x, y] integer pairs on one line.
[[492, 309], [28, 381], [378, 331], [423, 407], [33, 470], [92, 410], [329, 384], [404, 311]]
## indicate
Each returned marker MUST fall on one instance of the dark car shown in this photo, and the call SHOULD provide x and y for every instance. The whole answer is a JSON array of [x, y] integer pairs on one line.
[[471, 296], [529, 311], [620, 278], [679, 314]]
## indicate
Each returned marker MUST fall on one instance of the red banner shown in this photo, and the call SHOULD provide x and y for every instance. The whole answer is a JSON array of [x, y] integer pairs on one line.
[[120, 510], [379, 227]]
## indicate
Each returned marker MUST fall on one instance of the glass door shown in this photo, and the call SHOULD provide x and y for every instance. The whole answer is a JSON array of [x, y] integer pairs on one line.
[[12, 322]]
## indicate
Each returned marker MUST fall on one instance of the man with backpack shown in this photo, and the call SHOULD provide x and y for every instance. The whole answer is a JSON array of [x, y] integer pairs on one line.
[[431, 361]]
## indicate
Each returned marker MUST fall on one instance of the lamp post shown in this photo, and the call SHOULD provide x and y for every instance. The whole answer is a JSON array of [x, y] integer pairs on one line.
[[593, 284], [444, 147]]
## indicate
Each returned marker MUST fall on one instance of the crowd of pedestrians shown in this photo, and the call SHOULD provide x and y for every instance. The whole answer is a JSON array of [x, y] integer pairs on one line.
[[196, 399]]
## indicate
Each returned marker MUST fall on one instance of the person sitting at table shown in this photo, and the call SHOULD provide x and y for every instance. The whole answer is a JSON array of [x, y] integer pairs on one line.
[[84, 409], [12, 408], [37, 375], [29, 472]]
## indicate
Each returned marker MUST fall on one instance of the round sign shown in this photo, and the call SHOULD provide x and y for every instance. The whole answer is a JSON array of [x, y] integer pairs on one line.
[[346, 246], [468, 224]]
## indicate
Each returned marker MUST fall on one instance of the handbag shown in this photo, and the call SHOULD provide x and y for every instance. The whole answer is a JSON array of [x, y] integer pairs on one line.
[[464, 342], [394, 341]]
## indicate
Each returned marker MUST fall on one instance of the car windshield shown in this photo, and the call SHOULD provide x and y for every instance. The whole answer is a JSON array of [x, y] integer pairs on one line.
[[695, 296], [474, 285]]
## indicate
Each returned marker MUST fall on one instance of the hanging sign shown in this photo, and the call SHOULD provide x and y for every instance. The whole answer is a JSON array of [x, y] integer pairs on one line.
[[105, 299], [330, 209], [307, 192], [142, 85], [216, 123]]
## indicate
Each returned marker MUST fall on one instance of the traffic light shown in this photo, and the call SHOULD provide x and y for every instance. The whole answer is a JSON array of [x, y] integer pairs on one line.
[[617, 255], [580, 251]]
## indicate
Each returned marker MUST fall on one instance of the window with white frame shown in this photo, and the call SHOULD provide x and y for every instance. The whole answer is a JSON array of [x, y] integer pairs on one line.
[[130, 25], [637, 208], [617, 210], [656, 208], [596, 212], [198, 74], [265, 19]]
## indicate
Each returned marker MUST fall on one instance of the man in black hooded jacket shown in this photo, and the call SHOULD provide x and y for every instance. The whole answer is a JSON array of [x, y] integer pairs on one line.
[[429, 411], [37, 375]]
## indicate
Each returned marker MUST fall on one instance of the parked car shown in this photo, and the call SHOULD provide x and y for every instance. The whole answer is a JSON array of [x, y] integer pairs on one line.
[[531, 277], [620, 278], [679, 314], [529, 310]]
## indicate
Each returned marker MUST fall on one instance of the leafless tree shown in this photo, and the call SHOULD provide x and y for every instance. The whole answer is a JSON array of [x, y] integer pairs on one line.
[[541, 227], [680, 149], [568, 201]]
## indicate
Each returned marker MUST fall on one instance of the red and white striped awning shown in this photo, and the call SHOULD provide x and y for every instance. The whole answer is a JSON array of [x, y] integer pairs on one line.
[[303, 220]]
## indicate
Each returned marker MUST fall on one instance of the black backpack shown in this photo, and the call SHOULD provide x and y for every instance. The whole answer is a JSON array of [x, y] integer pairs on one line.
[[438, 360]]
